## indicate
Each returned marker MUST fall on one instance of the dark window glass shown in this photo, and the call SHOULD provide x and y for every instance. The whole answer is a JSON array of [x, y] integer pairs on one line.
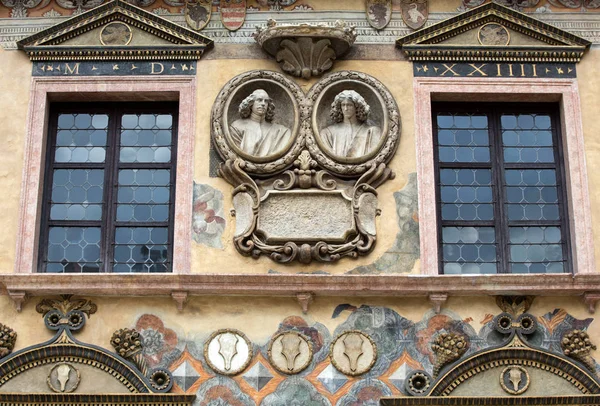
[[108, 204], [500, 196]]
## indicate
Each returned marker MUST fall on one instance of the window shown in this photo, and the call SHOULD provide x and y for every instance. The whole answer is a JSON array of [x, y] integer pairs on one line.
[[501, 199], [109, 188]]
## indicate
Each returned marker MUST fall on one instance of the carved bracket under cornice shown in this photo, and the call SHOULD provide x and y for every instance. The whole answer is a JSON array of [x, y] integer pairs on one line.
[[305, 50]]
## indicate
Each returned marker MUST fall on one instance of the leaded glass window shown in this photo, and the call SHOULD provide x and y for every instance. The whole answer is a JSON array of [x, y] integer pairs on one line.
[[109, 188], [501, 197]]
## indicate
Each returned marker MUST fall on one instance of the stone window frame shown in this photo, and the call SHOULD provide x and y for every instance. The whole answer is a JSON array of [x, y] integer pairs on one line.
[[46, 90], [563, 91]]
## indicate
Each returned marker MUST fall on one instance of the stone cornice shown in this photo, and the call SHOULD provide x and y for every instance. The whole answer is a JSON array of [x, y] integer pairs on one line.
[[585, 25], [291, 284]]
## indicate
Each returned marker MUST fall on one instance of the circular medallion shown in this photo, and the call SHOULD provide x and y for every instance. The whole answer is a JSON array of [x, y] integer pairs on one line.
[[514, 379], [228, 351], [256, 118], [417, 383], [353, 353], [290, 352], [63, 378], [493, 34], [116, 34], [355, 123]]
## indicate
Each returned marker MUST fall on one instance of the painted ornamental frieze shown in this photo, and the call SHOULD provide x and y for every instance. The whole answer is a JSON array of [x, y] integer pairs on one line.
[[305, 168]]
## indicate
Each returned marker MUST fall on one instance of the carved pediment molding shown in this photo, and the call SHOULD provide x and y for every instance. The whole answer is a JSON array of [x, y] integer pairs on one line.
[[540, 41], [166, 40]]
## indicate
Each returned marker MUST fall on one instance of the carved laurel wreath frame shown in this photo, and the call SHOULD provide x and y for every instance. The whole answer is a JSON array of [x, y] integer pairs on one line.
[[305, 165], [343, 370], [238, 333], [301, 367]]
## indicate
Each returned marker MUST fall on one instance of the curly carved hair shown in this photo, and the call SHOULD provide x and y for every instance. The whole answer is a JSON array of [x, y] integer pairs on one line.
[[245, 108], [362, 108]]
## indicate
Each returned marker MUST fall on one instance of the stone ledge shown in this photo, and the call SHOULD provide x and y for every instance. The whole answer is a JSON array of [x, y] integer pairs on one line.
[[27, 285]]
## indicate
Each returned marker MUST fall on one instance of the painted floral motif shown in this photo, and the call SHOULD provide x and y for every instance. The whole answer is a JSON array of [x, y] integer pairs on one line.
[[208, 221], [156, 338], [365, 393]]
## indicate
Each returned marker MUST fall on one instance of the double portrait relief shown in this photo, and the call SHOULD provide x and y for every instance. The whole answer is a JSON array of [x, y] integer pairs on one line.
[[266, 117], [304, 166]]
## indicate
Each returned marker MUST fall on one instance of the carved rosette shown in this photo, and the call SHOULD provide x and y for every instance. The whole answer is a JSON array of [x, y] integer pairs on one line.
[[298, 195], [8, 337], [577, 345], [448, 347], [305, 50]]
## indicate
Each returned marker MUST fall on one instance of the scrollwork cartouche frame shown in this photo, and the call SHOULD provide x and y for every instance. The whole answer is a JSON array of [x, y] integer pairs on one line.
[[304, 165]]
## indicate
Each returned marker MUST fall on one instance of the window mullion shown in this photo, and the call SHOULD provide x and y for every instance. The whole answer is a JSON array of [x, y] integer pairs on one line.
[[111, 177], [501, 221]]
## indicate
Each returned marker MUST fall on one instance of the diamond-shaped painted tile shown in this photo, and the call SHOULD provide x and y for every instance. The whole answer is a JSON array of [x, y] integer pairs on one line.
[[185, 375], [258, 376], [332, 379], [399, 376]]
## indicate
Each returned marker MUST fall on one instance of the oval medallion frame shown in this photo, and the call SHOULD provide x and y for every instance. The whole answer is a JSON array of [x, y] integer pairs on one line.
[[333, 353], [222, 371], [383, 108], [304, 340], [236, 90]]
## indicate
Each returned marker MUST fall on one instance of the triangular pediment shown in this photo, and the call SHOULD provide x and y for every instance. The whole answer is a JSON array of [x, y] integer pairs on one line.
[[493, 33], [115, 31]]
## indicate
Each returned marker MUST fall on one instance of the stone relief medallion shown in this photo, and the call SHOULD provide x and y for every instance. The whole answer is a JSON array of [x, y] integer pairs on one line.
[[63, 378], [228, 351], [493, 34], [514, 380], [355, 123], [116, 34], [256, 118], [290, 352], [353, 353]]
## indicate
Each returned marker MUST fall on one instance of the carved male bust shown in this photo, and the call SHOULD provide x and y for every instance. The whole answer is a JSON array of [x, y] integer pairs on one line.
[[254, 132], [352, 135]]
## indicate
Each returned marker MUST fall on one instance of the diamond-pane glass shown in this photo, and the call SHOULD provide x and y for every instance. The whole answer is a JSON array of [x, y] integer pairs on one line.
[[141, 249], [77, 194], [146, 138], [536, 250], [468, 250], [532, 194], [463, 138], [73, 249], [466, 194], [143, 195], [527, 138], [81, 138]]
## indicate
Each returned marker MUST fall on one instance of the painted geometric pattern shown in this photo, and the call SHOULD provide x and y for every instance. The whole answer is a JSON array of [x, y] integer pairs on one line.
[[403, 346]]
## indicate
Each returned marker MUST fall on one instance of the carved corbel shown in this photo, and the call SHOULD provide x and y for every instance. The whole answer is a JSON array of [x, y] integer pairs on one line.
[[180, 298], [590, 299], [437, 300], [304, 300], [19, 298]]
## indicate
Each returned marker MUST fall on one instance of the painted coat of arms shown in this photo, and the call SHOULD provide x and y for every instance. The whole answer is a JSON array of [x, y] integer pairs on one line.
[[197, 13], [379, 13], [233, 13], [415, 13]]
